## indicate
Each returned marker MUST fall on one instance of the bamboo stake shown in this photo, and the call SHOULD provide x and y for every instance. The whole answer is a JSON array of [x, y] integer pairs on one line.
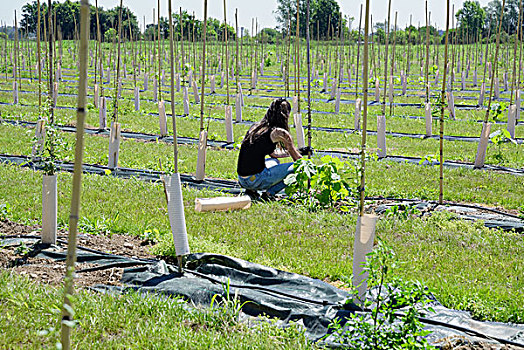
[[358, 50], [117, 75], [227, 56], [386, 61], [393, 52], [39, 59], [182, 47], [297, 58], [308, 81], [50, 63], [427, 53], [513, 83], [364, 114], [159, 78], [203, 68], [99, 37], [236, 43], [442, 97], [77, 177]]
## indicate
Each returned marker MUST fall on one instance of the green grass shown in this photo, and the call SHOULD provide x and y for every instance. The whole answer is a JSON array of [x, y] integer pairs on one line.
[[467, 265], [31, 311]]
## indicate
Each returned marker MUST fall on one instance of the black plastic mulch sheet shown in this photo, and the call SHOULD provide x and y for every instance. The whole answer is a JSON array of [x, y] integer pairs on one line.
[[266, 291]]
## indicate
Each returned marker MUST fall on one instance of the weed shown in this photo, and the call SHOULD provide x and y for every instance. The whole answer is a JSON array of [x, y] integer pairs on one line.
[[5, 211]]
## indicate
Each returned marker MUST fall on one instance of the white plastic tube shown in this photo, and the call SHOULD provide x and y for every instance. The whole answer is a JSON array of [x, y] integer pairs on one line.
[[177, 82], [333, 92], [358, 107], [337, 102], [229, 124], [512, 114], [300, 130], [363, 245], [482, 93], [483, 146], [324, 85], [55, 93], [517, 104], [496, 92], [377, 90], [190, 77], [238, 108], [186, 101], [96, 98], [381, 136], [253, 80], [49, 209], [241, 94], [162, 119], [175, 211], [155, 90], [463, 81], [114, 145], [451, 104], [429, 119], [195, 92], [390, 89], [15, 92], [102, 115], [212, 84], [201, 157], [294, 106], [146, 82], [137, 99]]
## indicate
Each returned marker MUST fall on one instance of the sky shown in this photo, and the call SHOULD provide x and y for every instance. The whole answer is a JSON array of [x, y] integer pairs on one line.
[[263, 10]]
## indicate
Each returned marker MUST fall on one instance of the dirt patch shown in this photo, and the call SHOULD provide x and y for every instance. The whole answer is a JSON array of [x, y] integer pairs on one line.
[[15, 259], [460, 343]]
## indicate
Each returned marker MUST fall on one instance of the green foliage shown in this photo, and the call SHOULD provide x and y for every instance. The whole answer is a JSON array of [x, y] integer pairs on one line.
[[498, 138], [55, 148], [320, 186], [227, 308], [497, 110], [110, 35], [5, 211], [383, 326]]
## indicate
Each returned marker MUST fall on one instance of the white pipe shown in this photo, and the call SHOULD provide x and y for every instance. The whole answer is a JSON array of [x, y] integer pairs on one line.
[[195, 92], [137, 99], [15, 92], [114, 145], [212, 84], [496, 93], [146, 81], [186, 101], [358, 107], [381, 136], [482, 93], [177, 82], [512, 113], [175, 211], [483, 146], [517, 103], [238, 108], [451, 104], [429, 119], [363, 245], [201, 157], [300, 130], [55, 93], [102, 115], [324, 83], [390, 89], [155, 90], [162, 119], [377, 90], [38, 146], [96, 98], [229, 124], [337, 102], [49, 209], [241, 94]]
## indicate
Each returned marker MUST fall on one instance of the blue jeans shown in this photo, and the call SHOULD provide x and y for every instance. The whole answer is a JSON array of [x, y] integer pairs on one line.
[[271, 179]]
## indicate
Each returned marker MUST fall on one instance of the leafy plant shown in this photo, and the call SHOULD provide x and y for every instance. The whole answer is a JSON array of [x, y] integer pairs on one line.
[[498, 138], [497, 110], [382, 325], [5, 211], [320, 185], [227, 307]]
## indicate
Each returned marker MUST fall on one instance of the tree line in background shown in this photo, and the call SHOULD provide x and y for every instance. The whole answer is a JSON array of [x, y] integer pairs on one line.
[[473, 22]]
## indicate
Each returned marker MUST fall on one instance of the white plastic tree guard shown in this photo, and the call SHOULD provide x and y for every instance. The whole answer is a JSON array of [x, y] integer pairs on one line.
[[238, 108], [241, 94], [451, 104], [185, 101], [146, 82], [429, 119], [363, 245], [381, 136], [137, 99], [297, 118], [212, 86], [222, 203], [377, 90], [162, 119], [404, 83], [390, 89], [49, 209], [190, 77], [337, 102], [177, 82], [463, 81], [155, 90], [324, 83], [114, 145], [358, 108], [38, 146], [496, 92], [108, 75], [201, 156], [222, 79], [102, 114], [195, 92], [517, 104], [96, 98], [475, 78], [229, 124], [175, 211], [55, 93], [512, 114], [482, 93], [333, 90], [15, 92], [294, 105], [483, 146]]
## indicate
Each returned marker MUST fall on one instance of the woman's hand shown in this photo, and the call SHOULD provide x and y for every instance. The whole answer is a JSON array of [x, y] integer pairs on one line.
[[281, 135]]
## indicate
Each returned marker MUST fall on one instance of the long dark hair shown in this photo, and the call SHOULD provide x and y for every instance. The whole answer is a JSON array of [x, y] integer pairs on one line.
[[276, 116]]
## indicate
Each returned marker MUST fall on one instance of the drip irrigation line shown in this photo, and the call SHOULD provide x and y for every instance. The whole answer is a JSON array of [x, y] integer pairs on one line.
[[447, 203], [221, 185]]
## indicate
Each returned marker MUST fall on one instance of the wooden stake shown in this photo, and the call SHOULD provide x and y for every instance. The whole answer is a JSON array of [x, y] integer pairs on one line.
[[364, 114], [66, 316], [203, 68], [308, 81], [386, 60], [117, 75], [442, 97]]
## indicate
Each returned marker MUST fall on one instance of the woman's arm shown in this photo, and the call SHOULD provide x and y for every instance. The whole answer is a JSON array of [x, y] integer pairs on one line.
[[281, 135]]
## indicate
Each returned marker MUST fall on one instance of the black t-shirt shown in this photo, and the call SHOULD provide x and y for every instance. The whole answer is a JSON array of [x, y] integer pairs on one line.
[[251, 159]]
